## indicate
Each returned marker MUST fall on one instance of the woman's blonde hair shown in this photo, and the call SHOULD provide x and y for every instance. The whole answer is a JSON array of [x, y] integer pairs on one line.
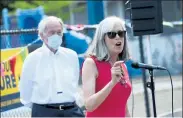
[[98, 46]]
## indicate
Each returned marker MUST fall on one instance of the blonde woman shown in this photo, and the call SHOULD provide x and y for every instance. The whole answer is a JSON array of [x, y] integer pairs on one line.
[[106, 83]]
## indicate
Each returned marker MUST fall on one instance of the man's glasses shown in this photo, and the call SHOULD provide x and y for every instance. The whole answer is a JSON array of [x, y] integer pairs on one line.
[[112, 35]]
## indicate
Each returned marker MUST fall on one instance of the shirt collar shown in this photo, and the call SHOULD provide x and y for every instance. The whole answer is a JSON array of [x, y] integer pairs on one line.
[[47, 50]]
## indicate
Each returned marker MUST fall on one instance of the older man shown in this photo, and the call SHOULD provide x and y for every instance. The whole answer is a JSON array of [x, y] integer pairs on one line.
[[50, 75]]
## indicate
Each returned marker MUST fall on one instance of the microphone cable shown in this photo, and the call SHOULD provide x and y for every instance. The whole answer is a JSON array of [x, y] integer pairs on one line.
[[172, 91]]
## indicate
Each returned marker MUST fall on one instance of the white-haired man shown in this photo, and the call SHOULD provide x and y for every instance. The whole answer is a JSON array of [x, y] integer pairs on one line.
[[50, 75]]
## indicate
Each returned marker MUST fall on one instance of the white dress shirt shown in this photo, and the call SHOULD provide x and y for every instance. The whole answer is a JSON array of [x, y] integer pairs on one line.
[[49, 78]]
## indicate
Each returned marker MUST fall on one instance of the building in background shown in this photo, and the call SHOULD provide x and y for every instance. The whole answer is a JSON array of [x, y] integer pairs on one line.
[[172, 10]]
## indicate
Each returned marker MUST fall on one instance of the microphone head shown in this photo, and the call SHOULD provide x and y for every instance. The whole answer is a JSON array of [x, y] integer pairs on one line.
[[135, 65]]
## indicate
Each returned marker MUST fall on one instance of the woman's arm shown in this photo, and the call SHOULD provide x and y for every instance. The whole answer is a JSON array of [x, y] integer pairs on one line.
[[89, 75]]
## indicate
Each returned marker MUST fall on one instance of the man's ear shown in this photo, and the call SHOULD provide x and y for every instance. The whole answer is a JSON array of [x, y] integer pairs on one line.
[[42, 36]]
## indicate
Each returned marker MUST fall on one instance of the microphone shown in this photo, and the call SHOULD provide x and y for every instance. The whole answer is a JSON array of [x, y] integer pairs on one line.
[[146, 66]]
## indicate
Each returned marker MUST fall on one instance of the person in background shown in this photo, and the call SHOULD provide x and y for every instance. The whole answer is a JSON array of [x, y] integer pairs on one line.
[[50, 75], [106, 84]]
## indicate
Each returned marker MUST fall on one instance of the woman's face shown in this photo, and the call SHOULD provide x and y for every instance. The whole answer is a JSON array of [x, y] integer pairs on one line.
[[115, 39]]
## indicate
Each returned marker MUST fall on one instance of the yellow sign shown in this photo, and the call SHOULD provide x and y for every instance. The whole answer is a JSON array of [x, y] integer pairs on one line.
[[12, 62]]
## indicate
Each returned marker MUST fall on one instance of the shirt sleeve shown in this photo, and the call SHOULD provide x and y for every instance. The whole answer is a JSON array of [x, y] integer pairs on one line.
[[25, 84]]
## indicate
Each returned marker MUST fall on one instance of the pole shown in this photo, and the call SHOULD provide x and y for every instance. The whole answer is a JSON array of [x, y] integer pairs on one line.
[[148, 48], [6, 26], [151, 86], [144, 78], [95, 13]]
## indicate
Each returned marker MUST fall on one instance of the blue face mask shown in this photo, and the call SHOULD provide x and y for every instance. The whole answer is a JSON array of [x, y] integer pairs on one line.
[[54, 41]]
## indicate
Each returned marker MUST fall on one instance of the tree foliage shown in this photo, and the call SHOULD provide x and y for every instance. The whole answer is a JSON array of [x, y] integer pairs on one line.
[[50, 7], [56, 8]]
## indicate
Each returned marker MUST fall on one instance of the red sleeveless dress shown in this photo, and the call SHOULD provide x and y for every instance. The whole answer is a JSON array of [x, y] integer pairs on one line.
[[115, 103]]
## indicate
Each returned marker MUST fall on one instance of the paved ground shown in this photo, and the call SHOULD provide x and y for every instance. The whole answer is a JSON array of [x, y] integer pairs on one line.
[[163, 97], [162, 94], [163, 103]]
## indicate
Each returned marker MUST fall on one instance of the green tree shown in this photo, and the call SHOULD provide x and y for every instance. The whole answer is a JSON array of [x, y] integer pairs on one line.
[[50, 7], [55, 8]]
